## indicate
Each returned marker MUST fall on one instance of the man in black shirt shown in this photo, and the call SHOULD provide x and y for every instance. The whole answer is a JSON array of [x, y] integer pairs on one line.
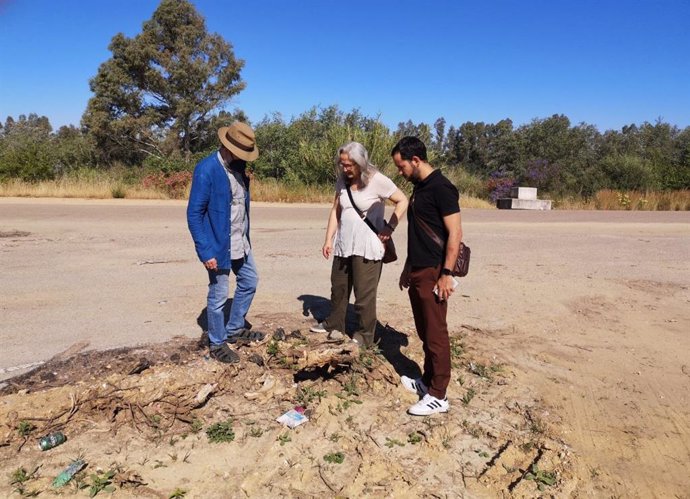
[[434, 207]]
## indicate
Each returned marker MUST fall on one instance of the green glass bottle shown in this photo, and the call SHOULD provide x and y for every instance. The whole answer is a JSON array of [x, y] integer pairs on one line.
[[52, 440]]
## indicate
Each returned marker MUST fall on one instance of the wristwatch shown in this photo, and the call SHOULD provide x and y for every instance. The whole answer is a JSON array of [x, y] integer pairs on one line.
[[446, 272]]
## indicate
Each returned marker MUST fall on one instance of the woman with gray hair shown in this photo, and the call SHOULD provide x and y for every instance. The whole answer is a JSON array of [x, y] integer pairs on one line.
[[357, 250]]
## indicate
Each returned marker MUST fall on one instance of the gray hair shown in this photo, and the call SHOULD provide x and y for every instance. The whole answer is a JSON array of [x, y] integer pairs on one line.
[[358, 155]]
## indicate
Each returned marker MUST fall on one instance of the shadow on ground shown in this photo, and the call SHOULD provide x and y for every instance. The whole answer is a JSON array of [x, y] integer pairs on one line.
[[389, 340]]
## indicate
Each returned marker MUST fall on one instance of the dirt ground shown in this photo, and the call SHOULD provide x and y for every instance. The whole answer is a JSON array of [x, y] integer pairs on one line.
[[571, 350]]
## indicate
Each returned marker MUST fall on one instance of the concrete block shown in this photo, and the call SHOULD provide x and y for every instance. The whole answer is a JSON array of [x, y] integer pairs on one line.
[[523, 192], [523, 204]]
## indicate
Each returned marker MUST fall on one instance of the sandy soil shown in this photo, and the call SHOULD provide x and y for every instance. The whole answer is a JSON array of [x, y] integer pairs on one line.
[[581, 320]]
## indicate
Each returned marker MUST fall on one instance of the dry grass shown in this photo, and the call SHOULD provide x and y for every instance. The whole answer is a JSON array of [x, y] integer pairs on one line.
[[630, 200], [104, 186], [90, 187], [472, 202], [63, 188], [270, 190]]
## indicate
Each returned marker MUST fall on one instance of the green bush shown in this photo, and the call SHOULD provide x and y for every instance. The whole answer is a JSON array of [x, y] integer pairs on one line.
[[27, 160], [627, 172]]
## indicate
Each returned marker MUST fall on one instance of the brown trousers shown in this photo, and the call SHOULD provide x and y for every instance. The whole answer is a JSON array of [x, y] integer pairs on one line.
[[430, 320], [362, 275]]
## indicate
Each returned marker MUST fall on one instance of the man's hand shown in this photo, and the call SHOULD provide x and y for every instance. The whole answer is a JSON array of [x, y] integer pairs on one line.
[[405, 277], [212, 264], [327, 250], [445, 287]]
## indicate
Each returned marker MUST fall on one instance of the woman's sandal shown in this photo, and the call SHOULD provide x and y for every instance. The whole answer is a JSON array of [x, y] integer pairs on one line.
[[223, 353]]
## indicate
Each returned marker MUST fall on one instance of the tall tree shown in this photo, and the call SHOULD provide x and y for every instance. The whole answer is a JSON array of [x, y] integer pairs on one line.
[[26, 150], [157, 94]]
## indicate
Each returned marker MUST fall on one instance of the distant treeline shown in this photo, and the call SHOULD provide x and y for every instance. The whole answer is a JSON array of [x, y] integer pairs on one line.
[[486, 159], [158, 101]]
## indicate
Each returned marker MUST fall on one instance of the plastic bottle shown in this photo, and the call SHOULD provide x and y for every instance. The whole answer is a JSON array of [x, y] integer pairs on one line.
[[52, 440], [64, 477]]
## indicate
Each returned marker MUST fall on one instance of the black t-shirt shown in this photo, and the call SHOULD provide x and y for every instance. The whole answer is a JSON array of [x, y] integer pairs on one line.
[[432, 199]]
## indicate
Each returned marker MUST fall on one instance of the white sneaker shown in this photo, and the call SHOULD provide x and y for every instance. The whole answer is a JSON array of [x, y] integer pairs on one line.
[[414, 385], [429, 405], [318, 328]]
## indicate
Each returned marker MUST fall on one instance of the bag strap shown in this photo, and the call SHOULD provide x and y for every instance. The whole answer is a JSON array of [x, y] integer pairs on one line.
[[429, 232], [359, 212]]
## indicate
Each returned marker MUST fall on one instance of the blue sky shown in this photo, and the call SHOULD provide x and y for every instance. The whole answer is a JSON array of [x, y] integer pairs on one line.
[[603, 62]]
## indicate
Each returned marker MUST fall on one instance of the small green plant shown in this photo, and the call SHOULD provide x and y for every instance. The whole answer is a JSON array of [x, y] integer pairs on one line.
[[537, 425], [472, 429], [484, 371], [527, 446], [196, 426], [344, 405], [461, 380], [284, 438], [484, 454], [306, 395], [541, 478], [255, 432], [155, 420], [221, 432], [480, 370], [177, 493], [26, 493], [367, 356], [446, 439], [19, 477], [457, 348], [273, 348], [350, 386], [469, 395], [24, 428], [335, 437], [414, 438], [334, 457], [101, 482], [496, 368], [392, 442]]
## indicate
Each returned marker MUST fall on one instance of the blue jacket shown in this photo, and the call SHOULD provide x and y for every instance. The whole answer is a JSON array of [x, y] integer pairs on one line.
[[208, 210]]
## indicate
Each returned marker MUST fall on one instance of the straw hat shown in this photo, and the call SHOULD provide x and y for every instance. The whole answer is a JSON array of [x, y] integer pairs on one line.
[[239, 139]]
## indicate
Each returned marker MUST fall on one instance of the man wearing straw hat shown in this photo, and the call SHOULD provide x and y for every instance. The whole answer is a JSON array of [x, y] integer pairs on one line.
[[218, 219]]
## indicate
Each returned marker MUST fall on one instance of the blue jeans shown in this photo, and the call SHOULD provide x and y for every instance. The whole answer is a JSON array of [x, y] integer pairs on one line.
[[218, 287]]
